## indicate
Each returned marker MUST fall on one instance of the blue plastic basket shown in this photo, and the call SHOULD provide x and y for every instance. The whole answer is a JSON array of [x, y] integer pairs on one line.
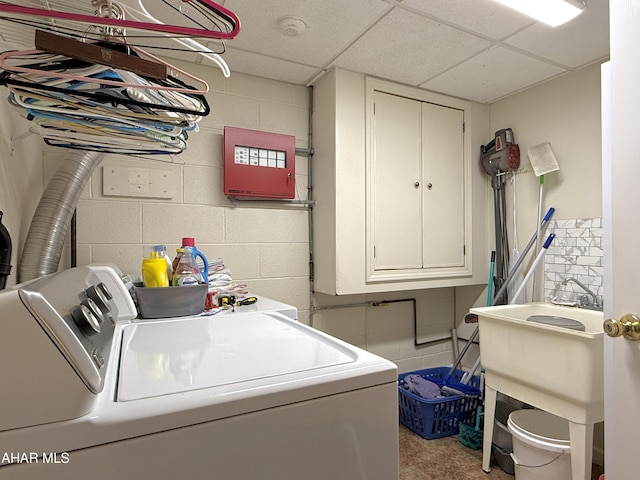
[[438, 417]]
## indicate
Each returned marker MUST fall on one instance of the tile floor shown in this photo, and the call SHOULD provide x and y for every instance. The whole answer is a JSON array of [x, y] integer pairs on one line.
[[446, 459], [440, 459]]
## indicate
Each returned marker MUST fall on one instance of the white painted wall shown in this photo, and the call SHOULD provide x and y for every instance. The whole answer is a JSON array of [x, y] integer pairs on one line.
[[266, 246], [21, 178], [566, 113]]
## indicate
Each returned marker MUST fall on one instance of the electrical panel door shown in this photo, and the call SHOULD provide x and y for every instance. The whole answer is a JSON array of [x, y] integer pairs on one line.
[[259, 164]]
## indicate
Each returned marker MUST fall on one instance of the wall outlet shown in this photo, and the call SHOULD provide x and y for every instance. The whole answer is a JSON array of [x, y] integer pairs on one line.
[[123, 181]]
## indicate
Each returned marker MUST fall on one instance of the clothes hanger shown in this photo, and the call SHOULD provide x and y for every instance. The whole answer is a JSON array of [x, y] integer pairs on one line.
[[169, 99], [97, 33], [101, 136], [189, 43], [108, 21], [122, 110], [67, 110], [64, 119], [102, 96], [7, 56]]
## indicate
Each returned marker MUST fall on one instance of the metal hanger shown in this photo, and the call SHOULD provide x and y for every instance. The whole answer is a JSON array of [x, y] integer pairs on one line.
[[120, 23]]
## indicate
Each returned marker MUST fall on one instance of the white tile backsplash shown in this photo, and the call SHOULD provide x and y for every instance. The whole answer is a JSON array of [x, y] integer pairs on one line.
[[575, 252]]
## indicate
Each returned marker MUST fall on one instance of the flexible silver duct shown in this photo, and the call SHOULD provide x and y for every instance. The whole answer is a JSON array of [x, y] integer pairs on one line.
[[45, 240]]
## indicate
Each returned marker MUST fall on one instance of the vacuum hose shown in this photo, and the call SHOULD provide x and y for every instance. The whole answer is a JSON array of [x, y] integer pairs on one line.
[[45, 240], [5, 254]]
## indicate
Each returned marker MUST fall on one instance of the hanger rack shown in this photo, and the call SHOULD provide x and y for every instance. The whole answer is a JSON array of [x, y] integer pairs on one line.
[[105, 93], [189, 32]]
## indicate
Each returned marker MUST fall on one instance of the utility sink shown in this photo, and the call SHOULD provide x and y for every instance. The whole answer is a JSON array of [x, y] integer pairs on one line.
[[553, 364], [541, 358]]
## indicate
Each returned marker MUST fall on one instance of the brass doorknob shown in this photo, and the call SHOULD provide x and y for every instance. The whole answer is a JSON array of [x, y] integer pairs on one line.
[[628, 326]]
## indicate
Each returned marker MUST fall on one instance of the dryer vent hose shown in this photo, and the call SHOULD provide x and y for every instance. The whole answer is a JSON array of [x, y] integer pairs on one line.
[[45, 240], [5, 254]]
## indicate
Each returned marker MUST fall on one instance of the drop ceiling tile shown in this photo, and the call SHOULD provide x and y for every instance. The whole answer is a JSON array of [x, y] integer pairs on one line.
[[486, 17], [583, 40], [491, 75], [409, 48], [331, 24], [262, 66]]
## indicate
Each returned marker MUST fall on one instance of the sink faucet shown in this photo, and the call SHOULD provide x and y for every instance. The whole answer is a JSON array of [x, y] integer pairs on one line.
[[595, 301]]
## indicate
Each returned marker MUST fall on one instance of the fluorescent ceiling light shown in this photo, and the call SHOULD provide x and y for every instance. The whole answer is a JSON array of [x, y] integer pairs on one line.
[[551, 12]]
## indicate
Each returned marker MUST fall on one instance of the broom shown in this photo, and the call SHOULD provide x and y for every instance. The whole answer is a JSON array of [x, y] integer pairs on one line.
[[470, 436]]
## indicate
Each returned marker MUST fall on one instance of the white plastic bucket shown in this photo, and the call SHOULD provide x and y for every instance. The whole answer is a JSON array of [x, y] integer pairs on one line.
[[541, 447]]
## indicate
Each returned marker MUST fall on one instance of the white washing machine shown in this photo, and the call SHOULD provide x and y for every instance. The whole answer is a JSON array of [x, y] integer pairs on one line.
[[90, 391]]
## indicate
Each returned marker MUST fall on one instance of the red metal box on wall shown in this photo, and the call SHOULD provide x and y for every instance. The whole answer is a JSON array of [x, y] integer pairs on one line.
[[259, 164]]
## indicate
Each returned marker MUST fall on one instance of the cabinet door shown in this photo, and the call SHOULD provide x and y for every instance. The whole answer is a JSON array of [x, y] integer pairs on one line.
[[418, 185], [443, 178], [396, 183]]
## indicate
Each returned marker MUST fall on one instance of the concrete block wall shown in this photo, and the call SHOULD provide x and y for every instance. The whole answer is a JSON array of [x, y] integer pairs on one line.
[[264, 244]]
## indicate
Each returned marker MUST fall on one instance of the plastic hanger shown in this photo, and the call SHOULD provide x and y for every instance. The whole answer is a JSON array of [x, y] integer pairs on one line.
[[9, 55], [189, 43], [103, 97], [169, 99], [183, 31], [66, 110]]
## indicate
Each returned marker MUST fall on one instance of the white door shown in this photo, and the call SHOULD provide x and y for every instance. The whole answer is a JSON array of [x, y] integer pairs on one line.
[[621, 216]]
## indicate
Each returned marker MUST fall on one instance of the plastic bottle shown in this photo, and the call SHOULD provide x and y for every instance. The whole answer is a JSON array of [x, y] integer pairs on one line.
[[154, 270], [161, 252], [176, 260], [203, 265], [186, 272]]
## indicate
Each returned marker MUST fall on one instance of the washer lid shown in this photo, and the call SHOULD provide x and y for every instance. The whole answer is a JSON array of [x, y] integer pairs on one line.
[[541, 425], [163, 357]]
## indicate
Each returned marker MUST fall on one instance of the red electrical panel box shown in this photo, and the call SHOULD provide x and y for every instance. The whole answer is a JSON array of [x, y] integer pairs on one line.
[[259, 164]]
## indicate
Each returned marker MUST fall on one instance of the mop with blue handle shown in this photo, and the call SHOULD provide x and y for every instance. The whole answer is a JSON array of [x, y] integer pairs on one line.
[[531, 271], [453, 390]]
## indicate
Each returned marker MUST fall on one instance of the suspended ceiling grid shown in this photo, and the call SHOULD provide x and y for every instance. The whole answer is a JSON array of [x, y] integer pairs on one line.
[[473, 49]]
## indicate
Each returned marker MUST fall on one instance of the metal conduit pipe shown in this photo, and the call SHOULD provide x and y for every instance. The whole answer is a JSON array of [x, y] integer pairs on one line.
[[45, 240]]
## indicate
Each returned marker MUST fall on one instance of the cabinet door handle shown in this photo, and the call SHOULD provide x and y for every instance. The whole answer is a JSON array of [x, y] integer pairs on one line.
[[417, 184], [429, 185]]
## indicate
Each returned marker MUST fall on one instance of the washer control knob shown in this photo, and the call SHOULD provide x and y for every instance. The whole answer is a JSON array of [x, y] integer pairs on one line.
[[101, 295], [85, 320], [93, 307]]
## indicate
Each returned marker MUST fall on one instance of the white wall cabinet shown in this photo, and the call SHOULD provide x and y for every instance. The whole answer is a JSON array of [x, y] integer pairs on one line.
[[398, 204], [417, 186]]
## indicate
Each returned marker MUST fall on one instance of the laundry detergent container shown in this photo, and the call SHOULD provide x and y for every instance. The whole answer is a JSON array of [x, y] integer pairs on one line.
[[541, 447]]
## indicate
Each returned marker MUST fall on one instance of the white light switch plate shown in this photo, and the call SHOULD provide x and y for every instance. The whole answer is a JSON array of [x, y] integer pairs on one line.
[[123, 181]]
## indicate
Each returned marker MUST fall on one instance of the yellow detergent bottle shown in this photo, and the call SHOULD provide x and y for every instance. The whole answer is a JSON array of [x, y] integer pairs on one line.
[[154, 270]]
